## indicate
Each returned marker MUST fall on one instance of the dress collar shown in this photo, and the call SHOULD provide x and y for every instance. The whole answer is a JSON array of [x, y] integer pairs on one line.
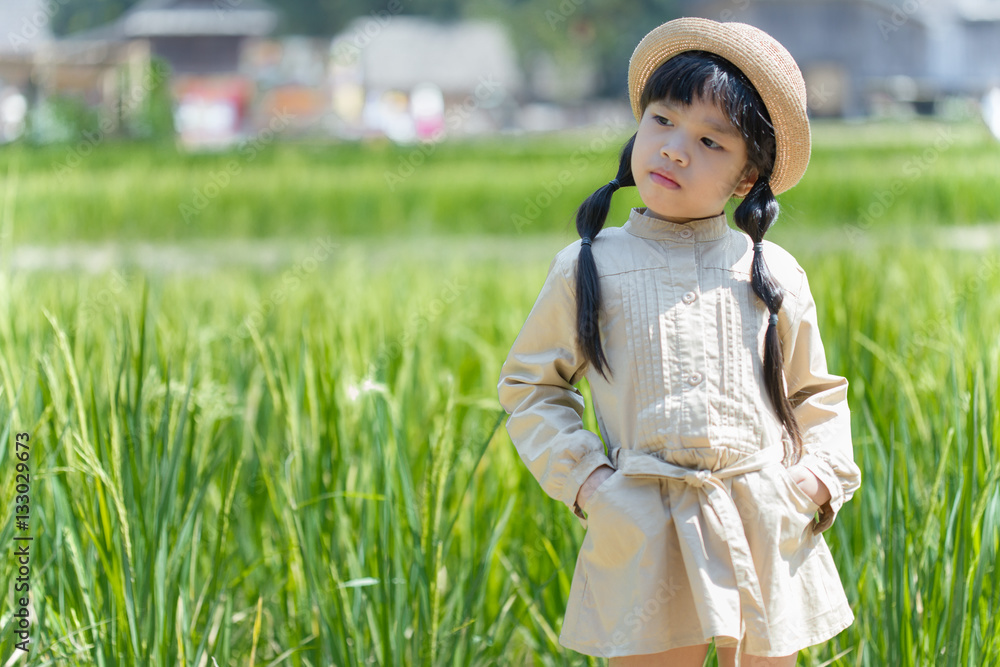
[[702, 229]]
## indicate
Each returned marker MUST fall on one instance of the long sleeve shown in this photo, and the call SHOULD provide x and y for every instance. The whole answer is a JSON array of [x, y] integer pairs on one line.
[[537, 390], [820, 406]]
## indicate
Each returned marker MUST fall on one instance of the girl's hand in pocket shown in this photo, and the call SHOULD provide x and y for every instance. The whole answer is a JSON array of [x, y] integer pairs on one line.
[[595, 479], [810, 483]]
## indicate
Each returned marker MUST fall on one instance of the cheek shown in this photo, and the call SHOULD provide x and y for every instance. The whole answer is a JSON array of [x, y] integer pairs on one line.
[[644, 149], [639, 157], [732, 169]]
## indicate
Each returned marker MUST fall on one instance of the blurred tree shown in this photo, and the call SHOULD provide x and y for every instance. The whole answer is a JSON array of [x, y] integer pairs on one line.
[[148, 115], [597, 34], [77, 15], [322, 17]]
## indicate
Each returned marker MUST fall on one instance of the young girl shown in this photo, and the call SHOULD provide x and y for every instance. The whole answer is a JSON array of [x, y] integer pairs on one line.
[[725, 433]]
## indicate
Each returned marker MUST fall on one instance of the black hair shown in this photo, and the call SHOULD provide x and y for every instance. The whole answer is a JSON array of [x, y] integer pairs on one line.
[[711, 78]]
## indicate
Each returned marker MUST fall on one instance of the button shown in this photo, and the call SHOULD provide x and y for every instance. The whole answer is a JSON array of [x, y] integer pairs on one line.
[[689, 297], [694, 378], [685, 233]]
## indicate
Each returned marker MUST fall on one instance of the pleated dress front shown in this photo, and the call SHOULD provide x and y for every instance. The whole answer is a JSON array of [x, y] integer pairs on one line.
[[700, 532]]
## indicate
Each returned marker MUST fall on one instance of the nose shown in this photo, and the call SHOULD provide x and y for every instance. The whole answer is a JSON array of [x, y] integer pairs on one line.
[[675, 148]]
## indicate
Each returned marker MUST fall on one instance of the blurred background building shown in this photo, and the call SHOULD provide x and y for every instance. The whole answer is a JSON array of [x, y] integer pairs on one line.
[[861, 58], [215, 72]]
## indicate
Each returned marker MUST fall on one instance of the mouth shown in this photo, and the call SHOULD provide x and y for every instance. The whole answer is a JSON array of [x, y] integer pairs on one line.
[[661, 178]]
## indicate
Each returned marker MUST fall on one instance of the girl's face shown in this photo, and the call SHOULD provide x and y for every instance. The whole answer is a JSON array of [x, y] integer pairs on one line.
[[688, 161]]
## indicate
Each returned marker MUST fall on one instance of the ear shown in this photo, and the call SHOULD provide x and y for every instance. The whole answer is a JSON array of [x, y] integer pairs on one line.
[[747, 182]]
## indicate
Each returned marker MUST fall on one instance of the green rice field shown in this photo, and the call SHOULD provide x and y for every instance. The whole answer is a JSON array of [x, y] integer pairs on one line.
[[303, 461], [940, 173]]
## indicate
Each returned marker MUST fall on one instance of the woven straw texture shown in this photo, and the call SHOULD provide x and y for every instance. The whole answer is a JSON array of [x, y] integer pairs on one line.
[[764, 61]]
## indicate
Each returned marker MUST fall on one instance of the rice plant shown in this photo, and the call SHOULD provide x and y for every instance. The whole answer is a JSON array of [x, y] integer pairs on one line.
[[267, 467]]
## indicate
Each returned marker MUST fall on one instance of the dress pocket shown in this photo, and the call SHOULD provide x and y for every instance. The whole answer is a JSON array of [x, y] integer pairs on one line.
[[597, 495], [808, 504], [795, 535]]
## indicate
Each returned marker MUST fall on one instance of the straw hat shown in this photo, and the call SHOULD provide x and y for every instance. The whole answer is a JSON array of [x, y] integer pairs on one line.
[[760, 57]]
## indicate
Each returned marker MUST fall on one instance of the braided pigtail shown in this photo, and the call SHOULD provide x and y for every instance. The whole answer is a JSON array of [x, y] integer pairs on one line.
[[754, 215], [590, 219]]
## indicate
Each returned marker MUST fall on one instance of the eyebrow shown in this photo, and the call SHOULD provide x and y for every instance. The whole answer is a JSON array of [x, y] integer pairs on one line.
[[726, 129]]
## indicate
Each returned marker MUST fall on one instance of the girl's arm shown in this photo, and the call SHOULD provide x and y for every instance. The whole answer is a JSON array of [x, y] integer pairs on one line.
[[820, 404], [537, 390]]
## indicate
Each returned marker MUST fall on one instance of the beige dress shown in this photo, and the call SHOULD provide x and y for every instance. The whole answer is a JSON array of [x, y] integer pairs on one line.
[[701, 532]]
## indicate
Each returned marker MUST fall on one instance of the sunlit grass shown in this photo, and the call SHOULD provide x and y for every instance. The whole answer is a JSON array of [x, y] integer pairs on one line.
[[328, 482], [308, 465]]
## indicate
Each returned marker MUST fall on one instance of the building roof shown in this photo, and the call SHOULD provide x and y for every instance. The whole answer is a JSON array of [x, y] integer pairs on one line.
[[199, 17], [978, 10], [186, 18]]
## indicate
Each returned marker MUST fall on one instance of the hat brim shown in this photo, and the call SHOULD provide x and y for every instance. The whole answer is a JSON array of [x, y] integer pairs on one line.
[[763, 60]]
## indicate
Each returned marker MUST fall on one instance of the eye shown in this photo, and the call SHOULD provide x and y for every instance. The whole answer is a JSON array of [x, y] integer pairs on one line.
[[711, 144], [661, 120]]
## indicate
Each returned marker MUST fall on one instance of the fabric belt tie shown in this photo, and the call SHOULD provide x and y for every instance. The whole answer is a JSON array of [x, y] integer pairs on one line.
[[722, 518]]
